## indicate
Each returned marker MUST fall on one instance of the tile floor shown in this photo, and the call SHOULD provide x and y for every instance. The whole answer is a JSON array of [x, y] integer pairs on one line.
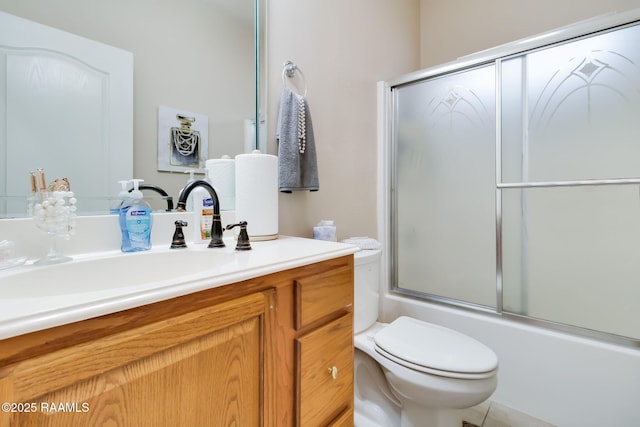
[[487, 414], [491, 414]]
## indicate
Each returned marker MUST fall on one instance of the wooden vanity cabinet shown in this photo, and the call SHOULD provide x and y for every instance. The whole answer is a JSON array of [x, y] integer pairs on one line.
[[246, 354], [167, 372], [324, 348]]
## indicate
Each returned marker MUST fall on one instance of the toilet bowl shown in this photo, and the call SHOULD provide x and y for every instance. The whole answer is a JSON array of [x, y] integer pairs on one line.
[[425, 371]]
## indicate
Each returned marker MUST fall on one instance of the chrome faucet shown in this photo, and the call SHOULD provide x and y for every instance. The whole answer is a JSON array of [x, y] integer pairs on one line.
[[216, 225]]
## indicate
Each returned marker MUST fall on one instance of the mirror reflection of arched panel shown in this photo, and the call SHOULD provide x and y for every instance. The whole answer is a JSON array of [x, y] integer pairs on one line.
[[68, 108]]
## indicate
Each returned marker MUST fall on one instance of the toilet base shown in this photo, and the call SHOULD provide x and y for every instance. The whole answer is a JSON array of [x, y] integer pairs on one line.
[[373, 406], [418, 416], [363, 420]]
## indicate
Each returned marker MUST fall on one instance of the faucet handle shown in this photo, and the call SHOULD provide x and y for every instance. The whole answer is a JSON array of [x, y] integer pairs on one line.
[[243, 243], [178, 236]]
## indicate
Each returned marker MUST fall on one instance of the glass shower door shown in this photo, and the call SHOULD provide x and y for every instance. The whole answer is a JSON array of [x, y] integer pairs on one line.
[[444, 198], [515, 184], [570, 198]]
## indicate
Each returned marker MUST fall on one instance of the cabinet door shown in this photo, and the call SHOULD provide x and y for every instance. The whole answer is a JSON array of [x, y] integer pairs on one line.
[[208, 367], [325, 372]]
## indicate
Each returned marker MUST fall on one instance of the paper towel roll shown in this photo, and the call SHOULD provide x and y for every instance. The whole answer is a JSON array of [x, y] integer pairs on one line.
[[222, 173], [257, 194]]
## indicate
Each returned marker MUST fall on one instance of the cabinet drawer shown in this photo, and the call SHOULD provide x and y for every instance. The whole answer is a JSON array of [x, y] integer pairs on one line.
[[322, 294], [324, 386]]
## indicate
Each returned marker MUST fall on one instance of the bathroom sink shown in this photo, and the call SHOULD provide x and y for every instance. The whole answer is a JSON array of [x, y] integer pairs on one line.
[[116, 270], [34, 297]]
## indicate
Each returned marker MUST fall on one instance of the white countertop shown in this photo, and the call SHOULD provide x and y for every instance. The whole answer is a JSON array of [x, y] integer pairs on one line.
[[35, 298]]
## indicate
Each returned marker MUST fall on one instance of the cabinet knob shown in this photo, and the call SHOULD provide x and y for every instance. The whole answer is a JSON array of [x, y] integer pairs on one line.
[[334, 372]]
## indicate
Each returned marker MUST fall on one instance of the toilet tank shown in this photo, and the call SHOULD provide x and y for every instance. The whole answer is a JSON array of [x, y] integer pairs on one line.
[[366, 292]]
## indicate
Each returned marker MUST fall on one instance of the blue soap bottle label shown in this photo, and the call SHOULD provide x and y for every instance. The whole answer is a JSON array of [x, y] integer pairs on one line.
[[138, 225]]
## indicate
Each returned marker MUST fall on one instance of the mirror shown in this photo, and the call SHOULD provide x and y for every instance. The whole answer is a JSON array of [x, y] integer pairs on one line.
[[197, 56]]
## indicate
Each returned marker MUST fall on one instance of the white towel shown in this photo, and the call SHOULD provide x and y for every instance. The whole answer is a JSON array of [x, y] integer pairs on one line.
[[297, 164]]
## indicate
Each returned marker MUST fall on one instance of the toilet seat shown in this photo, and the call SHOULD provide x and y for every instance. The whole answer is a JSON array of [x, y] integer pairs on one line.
[[435, 350]]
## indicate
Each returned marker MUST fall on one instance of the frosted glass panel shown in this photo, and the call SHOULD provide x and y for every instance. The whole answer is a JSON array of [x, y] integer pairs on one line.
[[445, 186], [571, 255], [571, 112], [568, 218]]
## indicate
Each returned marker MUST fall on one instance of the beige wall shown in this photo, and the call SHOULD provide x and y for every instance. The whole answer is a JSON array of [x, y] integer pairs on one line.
[[453, 28], [343, 48]]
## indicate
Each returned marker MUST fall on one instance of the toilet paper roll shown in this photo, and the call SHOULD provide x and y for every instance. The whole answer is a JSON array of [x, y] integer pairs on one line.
[[257, 194], [222, 173]]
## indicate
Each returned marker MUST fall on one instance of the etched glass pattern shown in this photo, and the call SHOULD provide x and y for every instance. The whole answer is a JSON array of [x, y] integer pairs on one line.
[[445, 186], [571, 113]]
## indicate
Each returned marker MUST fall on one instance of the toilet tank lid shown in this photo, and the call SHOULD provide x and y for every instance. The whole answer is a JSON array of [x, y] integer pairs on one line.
[[365, 256], [363, 242], [435, 347]]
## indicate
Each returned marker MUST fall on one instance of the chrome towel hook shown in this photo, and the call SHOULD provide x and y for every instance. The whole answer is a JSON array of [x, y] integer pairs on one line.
[[289, 70]]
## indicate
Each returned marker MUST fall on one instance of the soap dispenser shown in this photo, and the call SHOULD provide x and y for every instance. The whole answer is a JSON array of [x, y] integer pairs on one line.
[[122, 196], [135, 221]]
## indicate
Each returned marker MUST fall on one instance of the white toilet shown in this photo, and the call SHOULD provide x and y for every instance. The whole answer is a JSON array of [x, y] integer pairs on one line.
[[410, 373]]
